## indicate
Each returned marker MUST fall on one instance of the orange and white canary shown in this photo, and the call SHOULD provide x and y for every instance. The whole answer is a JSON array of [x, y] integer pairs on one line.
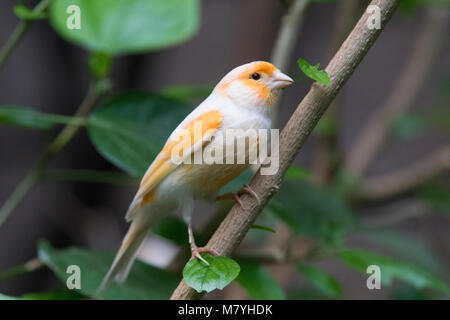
[[243, 99]]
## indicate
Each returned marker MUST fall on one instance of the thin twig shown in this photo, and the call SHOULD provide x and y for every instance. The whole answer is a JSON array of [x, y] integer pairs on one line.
[[238, 221], [288, 34], [28, 266], [394, 183], [19, 32], [33, 176], [403, 94]]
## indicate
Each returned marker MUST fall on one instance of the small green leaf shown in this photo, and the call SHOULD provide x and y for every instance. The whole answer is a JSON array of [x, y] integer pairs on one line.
[[258, 282], [392, 268], [255, 226], [143, 282], [124, 27], [297, 173], [24, 13], [313, 72], [29, 118], [321, 280], [217, 275]]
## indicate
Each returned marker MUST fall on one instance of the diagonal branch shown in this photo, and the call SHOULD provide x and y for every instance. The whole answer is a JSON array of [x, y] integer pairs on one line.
[[238, 221]]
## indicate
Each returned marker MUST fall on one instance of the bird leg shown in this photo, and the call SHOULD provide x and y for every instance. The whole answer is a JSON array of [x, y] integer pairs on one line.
[[235, 196], [197, 251]]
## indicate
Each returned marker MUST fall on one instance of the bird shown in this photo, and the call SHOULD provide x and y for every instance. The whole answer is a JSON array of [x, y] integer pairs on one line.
[[243, 99]]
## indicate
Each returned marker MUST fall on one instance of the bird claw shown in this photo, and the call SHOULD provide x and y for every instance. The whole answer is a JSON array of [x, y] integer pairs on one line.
[[235, 196], [196, 253]]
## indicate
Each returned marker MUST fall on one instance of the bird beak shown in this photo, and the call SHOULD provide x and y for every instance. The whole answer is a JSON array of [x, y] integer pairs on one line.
[[281, 80]]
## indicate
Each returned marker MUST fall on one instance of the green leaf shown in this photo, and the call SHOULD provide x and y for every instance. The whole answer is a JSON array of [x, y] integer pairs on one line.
[[58, 294], [217, 275], [143, 282], [258, 282], [313, 72], [296, 173], [187, 94], [312, 210], [131, 129], [126, 26], [28, 118], [321, 280], [255, 226], [24, 13], [392, 268]]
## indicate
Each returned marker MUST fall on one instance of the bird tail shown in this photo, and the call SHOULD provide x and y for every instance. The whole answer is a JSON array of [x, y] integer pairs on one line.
[[142, 222]]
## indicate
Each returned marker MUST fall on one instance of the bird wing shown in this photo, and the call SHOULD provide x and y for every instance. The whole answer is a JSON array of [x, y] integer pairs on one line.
[[196, 134]]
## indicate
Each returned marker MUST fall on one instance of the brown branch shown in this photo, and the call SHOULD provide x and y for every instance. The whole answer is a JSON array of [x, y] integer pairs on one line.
[[403, 94], [407, 178], [238, 221]]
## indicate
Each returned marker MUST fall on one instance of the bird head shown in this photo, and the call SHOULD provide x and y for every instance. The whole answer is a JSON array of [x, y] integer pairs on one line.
[[255, 84]]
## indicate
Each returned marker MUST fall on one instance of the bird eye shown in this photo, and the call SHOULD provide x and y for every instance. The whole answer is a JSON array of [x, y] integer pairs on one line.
[[256, 76]]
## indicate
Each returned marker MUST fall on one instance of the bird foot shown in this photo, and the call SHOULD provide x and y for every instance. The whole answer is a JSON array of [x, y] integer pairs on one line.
[[196, 253], [235, 196]]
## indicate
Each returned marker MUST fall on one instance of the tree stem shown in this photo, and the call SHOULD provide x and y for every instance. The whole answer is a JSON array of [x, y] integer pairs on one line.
[[19, 32]]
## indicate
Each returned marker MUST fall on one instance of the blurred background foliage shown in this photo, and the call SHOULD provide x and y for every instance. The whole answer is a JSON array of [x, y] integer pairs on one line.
[[321, 231]]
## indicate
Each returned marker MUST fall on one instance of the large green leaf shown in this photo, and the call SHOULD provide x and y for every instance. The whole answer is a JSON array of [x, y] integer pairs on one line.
[[131, 129], [391, 268], [217, 274], [144, 281], [126, 26], [321, 280], [258, 282], [29, 118], [313, 211]]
